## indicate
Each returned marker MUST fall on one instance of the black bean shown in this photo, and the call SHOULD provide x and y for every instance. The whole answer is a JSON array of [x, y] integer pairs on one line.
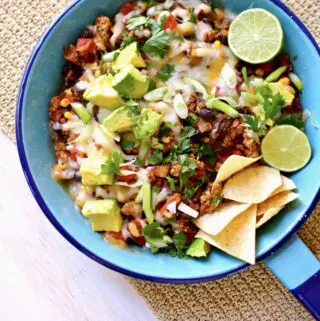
[[206, 114]]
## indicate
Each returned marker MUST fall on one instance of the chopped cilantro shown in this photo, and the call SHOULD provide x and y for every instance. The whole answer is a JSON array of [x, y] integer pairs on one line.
[[157, 44], [153, 231], [133, 107], [189, 191], [216, 200], [179, 242], [187, 170], [137, 21], [128, 144], [293, 119], [155, 158], [126, 41], [205, 150], [152, 85], [192, 17], [253, 123], [166, 72], [112, 164], [172, 181], [273, 106]]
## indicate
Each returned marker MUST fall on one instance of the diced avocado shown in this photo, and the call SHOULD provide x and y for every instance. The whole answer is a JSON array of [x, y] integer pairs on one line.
[[198, 248], [90, 171], [147, 124], [147, 202], [120, 120], [104, 215], [285, 90], [130, 82], [130, 55], [101, 93]]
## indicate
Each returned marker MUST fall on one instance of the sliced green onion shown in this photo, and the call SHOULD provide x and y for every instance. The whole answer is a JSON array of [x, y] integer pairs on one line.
[[223, 107], [275, 75], [245, 76], [109, 57], [296, 81], [144, 149], [156, 94], [197, 86], [147, 202], [229, 75], [229, 100], [82, 112], [139, 196], [180, 106]]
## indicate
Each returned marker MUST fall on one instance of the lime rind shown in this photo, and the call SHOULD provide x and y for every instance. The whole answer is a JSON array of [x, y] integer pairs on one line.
[[256, 36], [286, 148]]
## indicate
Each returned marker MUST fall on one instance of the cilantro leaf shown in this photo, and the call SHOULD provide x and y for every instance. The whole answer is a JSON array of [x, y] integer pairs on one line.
[[157, 44], [172, 183], [156, 158], [293, 119], [191, 190], [112, 164], [216, 200], [187, 169], [137, 21], [166, 72], [126, 41], [133, 108], [205, 150], [273, 106], [179, 241], [253, 123], [152, 85], [192, 17], [153, 231], [128, 145]]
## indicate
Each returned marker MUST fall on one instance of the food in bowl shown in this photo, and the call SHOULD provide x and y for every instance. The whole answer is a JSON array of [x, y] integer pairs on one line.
[[174, 123]]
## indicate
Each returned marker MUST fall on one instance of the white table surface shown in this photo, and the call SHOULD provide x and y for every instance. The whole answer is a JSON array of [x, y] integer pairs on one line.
[[42, 276]]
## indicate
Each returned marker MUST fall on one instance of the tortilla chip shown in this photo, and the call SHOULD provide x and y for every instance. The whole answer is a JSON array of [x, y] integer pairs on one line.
[[252, 185], [214, 223], [238, 238], [269, 214], [233, 165], [277, 201], [287, 185]]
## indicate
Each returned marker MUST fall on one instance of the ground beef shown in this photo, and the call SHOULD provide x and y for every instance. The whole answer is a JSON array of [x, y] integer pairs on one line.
[[132, 209], [55, 109], [195, 103], [84, 52], [103, 33]]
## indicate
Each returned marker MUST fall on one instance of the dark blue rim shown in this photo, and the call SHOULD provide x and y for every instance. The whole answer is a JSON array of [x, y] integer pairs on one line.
[[35, 191]]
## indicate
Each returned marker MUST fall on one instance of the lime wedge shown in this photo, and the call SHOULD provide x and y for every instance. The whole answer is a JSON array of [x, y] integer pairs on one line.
[[256, 36], [286, 148]]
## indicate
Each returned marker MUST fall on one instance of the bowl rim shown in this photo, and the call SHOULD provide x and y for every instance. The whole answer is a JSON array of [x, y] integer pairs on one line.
[[45, 209]]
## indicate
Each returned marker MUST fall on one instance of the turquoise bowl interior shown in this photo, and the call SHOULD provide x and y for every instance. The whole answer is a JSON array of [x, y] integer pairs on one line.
[[42, 80]]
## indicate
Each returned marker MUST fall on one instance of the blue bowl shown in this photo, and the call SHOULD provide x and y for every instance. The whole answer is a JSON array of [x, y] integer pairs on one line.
[[42, 80]]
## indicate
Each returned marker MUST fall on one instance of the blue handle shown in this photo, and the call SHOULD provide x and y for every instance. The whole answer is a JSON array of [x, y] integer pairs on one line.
[[299, 270]]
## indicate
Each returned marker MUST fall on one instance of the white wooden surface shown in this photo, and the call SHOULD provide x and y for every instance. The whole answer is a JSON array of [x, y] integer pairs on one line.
[[42, 276]]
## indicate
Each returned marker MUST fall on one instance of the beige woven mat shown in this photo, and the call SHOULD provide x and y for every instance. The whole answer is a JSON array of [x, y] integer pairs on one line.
[[251, 295]]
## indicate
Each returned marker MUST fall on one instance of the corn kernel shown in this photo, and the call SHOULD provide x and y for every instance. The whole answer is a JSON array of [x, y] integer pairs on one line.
[[62, 166], [217, 44], [97, 74], [67, 115], [65, 102], [259, 72], [251, 90], [285, 81], [69, 92]]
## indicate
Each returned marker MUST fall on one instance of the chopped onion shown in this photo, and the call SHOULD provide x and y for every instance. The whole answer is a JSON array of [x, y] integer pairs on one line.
[[172, 207], [197, 86], [229, 76], [184, 208]]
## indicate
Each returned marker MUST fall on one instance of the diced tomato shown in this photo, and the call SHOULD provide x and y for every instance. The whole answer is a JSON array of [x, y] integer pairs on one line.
[[127, 178], [223, 155], [126, 8], [171, 22], [139, 240]]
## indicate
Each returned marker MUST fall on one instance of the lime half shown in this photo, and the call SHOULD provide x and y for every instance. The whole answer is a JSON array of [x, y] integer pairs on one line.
[[286, 148], [256, 36]]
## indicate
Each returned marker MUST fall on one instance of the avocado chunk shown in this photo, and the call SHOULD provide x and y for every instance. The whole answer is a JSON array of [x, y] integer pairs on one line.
[[101, 93], [90, 171], [130, 55], [147, 124], [130, 82], [120, 120], [286, 91], [104, 215], [198, 248]]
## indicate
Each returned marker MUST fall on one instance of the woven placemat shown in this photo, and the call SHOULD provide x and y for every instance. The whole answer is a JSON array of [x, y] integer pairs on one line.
[[254, 294]]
